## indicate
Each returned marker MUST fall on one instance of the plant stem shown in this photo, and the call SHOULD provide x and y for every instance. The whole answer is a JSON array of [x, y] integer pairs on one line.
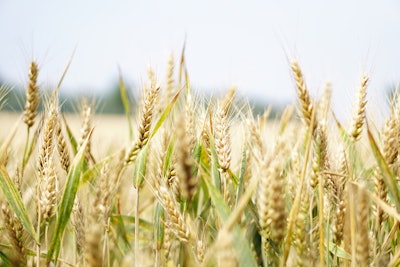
[[137, 227]]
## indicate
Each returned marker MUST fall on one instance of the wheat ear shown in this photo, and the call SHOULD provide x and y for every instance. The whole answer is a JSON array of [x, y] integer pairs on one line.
[[32, 95], [362, 231], [62, 148], [359, 114], [148, 107], [174, 220], [15, 233], [185, 164], [307, 107], [86, 113], [222, 139], [47, 179]]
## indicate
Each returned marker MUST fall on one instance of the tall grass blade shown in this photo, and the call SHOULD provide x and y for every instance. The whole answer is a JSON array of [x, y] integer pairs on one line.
[[4, 261], [387, 174], [125, 103], [72, 139], [165, 113], [14, 199], [241, 176], [241, 245], [67, 202]]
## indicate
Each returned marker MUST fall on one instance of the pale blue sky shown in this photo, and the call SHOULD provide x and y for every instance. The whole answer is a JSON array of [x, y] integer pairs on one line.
[[246, 43]]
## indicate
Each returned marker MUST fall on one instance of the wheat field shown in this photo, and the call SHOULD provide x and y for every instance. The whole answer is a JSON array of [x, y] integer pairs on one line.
[[182, 180]]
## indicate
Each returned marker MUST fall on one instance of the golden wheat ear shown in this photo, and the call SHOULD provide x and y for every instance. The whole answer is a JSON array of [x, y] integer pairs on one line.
[[15, 231], [359, 112], [306, 105], [148, 107], [32, 95]]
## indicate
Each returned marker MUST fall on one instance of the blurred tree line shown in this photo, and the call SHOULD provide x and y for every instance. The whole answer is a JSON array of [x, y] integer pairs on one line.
[[109, 102]]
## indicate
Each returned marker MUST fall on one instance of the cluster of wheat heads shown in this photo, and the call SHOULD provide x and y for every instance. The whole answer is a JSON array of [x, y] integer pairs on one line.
[[201, 183]]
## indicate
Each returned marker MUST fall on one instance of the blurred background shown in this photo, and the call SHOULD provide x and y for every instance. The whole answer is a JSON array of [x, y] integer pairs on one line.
[[245, 43]]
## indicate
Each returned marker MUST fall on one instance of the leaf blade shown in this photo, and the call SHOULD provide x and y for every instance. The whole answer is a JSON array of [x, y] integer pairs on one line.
[[15, 201], [67, 202]]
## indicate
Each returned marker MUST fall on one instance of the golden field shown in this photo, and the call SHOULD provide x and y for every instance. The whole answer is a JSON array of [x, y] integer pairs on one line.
[[185, 181]]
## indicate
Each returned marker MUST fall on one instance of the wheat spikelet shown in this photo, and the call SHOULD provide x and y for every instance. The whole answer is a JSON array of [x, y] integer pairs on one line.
[[17, 180], [174, 219], [185, 164], [169, 82], [324, 104], [227, 101], [390, 140], [102, 203], [276, 205], [307, 107], [78, 221], [262, 202], [62, 148], [93, 252], [382, 192], [339, 214], [293, 179], [315, 171], [46, 183], [320, 160], [48, 191], [148, 107], [173, 181], [362, 231], [200, 250], [32, 95], [206, 132], [190, 126], [152, 77], [222, 139], [15, 233], [341, 202], [86, 128], [255, 136], [47, 145], [300, 234], [359, 113], [269, 170], [167, 244]]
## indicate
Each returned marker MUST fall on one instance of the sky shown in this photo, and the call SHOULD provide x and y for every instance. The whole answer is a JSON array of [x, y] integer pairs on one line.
[[245, 43]]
